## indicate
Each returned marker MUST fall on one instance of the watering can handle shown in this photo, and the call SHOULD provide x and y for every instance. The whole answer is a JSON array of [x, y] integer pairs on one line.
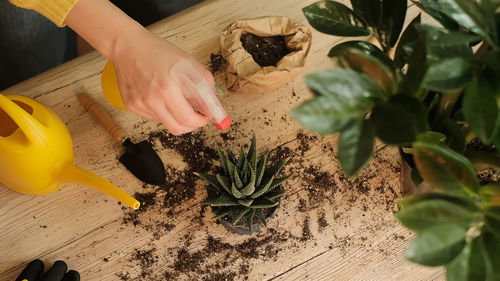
[[102, 116], [31, 127]]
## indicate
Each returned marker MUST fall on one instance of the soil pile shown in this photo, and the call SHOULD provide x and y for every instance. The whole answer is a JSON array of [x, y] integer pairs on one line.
[[266, 51]]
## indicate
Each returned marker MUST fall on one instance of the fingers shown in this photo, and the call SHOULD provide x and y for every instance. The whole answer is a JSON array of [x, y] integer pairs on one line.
[[71, 276], [56, 272], [142, 110], [182, 111], [170, 123], [32, 271]]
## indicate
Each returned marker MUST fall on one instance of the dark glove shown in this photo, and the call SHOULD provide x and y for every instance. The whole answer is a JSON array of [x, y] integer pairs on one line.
[[33, 272]]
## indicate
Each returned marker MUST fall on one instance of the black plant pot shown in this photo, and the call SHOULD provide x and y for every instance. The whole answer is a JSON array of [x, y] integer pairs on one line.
[[244, 229]]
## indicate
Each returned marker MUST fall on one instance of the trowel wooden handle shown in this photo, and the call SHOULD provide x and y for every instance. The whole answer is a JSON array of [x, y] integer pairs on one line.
[[102, 116]]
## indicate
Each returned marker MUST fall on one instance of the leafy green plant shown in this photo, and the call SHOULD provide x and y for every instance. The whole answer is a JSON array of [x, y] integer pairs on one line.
[[429, 90], [246, 187]]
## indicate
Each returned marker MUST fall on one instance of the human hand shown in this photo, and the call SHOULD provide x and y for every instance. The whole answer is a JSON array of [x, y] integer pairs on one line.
[[142, 63], [33, 272], [149, 88]]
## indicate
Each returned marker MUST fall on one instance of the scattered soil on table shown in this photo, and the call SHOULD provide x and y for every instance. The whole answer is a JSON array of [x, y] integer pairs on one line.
[[217, 63], [202, 263], [322, 222], [217, 259], [159, 203], [266, 51]]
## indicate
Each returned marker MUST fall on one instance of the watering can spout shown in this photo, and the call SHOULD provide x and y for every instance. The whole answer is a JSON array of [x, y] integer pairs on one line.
[[73, 174]]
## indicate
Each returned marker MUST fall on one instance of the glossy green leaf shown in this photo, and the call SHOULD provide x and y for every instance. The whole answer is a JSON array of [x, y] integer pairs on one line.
[[437, 245], [417, 67], [356, 146], [366, 58], [469, 204], [335, 18], [399, 120], [369, 10], [492, 247], [493, 226], [434, 10], [426, 214], [468, 14], [455, 138], [491, 71], [407, 43], [448, 75], [345, 95], [480, 108], [432, 137], [385, 17], [469, 265], [325, 115], [444, 169], [443, 43], [393, 19]]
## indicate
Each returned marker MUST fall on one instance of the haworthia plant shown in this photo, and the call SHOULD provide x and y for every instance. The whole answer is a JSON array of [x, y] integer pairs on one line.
[[246, 187]]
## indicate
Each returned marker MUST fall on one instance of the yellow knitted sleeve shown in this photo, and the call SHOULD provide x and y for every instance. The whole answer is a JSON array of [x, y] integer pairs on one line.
[[54, 10]]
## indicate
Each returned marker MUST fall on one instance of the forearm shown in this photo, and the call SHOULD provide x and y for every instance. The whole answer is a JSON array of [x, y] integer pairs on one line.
[[104, 26]]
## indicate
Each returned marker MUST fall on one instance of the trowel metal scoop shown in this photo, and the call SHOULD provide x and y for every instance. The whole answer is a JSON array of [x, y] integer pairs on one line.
[[140, 159]]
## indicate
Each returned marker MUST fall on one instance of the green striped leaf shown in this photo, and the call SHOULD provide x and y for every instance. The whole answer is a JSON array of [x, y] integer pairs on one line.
[[261, 167], [245, 202], [236, 193], [238, 213], [250, 188]]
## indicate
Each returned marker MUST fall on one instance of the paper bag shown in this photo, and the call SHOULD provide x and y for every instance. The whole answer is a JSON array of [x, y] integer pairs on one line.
[[247, 76]]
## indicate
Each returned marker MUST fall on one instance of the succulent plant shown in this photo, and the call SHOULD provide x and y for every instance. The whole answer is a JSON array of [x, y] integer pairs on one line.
[[245, 187]]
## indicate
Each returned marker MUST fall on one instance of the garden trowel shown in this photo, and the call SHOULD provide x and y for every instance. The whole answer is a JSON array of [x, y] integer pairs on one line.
[[140, 159]]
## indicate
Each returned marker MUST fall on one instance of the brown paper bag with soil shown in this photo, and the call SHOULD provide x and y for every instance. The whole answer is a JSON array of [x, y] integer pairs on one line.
[[244, 74]]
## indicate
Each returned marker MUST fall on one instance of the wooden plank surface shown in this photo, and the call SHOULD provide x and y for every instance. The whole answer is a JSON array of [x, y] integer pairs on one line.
[[328, 227]]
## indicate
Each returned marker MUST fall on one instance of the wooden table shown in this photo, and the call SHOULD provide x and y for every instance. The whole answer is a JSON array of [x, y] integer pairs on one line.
[[346, 231]]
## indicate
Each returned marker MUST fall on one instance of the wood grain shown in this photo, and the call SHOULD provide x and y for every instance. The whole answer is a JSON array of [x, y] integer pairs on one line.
[[95, 109], [362, 240]]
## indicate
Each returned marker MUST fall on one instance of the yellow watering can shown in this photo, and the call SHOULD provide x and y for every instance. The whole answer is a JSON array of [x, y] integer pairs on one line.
[[36, 152]]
